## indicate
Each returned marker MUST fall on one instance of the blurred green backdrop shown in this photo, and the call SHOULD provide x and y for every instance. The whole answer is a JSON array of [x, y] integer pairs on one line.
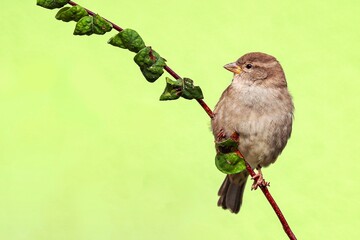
[[88, 152]]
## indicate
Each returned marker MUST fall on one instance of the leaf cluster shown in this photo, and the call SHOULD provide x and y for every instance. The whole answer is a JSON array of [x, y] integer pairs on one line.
[[182, 87], [149, 61]]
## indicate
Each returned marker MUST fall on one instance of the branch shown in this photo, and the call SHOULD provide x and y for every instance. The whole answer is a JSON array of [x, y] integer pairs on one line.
[[167, 68], [206, 108], [272, 202]]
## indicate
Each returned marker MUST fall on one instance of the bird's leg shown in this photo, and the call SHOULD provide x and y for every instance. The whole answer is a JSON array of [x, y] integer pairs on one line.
[[259, 180]]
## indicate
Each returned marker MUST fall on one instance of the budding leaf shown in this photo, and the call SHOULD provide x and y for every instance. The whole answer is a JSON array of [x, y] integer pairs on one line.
[[92, 25], [74, 13], [51, 4], [229, 163], [128, 39], [172, 90], [150, 63]]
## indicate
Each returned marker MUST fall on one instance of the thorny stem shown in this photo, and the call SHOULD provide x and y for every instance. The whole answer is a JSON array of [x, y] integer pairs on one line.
[[264, 189]]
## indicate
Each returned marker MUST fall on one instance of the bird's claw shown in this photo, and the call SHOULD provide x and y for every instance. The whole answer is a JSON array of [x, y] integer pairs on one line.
[[259, 181]]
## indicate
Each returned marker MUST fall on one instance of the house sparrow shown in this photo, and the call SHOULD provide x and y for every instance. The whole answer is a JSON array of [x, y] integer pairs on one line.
[[258, 107]]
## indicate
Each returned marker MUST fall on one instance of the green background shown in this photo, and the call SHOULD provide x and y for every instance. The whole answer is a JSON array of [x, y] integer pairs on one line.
[[88, 152]]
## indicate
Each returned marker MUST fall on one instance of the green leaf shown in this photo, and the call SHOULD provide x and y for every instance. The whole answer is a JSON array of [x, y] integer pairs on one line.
[[74, 13], [150, 63], [101, 26], [172, 90], [144, 59], [227, 146], [51, 4], [190, 91], [128, 39], [229, 163], [92, 25], [84, 26], [153, 73]]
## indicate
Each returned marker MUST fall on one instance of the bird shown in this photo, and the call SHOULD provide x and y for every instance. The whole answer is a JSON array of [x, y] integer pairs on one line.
[[258, 107]]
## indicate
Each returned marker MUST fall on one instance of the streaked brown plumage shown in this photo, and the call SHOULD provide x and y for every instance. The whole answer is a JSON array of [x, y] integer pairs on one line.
[[258, 106]]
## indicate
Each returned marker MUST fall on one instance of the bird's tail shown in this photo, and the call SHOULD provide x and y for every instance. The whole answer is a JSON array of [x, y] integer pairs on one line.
[[232, 190]]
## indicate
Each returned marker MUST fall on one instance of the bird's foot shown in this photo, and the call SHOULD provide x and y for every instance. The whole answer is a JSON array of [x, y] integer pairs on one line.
[[259, 181]]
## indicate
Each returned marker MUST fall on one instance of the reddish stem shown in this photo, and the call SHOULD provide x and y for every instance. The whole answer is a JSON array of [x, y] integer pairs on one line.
[[151, 54], [171, 72], [205, 107], [272, 202], [264, 189]]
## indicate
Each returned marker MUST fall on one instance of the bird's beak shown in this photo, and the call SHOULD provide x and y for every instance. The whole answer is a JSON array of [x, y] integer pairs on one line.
[[233, 67]]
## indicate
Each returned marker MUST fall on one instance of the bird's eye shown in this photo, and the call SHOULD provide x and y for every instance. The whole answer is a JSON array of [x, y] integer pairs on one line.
[[248, 66]]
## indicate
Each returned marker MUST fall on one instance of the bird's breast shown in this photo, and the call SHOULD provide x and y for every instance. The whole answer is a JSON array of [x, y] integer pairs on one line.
[[260, 116]]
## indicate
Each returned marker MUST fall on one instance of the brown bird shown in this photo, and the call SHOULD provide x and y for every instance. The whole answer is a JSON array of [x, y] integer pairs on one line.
[[258, 107]]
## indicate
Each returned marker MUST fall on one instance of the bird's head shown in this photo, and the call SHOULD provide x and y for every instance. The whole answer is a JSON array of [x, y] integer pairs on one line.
[[258, 68]]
